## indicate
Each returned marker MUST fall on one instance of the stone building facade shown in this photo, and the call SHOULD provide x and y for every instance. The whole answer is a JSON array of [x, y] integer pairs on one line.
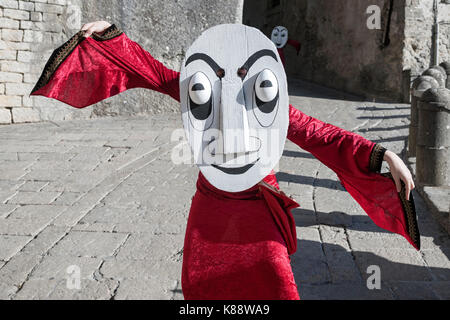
[[165, 28], [419, 25], [32, 29], [339, 50]]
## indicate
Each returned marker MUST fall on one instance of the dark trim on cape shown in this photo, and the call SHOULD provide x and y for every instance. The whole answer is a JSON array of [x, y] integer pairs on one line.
[[409, 211], [60, 55], [112, 32], [376, 158]]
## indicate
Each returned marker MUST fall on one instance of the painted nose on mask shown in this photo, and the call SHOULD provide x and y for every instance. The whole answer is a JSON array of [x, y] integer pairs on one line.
[[234, 128]]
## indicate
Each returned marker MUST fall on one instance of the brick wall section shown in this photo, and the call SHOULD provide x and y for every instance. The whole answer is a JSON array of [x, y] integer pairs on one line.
[[29, 31]]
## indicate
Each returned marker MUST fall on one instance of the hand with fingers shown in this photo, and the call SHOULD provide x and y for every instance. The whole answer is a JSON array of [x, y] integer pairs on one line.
[[399, 172], [97, 27]]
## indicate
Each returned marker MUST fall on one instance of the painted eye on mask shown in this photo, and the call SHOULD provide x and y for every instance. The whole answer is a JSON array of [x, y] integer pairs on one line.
[[266, 97], [200, 96], [266, 91]]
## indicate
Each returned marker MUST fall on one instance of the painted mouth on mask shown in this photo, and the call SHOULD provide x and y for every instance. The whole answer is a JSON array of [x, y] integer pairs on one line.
[[237, 170]]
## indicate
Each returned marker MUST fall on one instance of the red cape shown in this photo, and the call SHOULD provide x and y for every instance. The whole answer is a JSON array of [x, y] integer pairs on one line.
[[221, 250]]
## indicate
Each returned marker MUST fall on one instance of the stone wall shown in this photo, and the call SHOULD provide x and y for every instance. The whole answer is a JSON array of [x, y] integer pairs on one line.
[[339, 51], [31, 30], [418, 50], [164, 28]]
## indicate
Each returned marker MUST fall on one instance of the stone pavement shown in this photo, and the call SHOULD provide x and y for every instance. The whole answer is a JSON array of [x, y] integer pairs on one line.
[[104, 196]]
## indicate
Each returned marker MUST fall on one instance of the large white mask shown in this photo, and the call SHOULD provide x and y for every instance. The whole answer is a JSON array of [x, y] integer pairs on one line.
[[280, 36], [235, 105]]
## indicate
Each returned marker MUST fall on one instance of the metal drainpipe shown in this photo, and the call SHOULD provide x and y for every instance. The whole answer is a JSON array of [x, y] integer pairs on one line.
[[386, 37], [436, 33]]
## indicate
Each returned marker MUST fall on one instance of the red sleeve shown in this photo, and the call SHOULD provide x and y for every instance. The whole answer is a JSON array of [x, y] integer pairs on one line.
[[342, 151], [357, 161], [85, 71]]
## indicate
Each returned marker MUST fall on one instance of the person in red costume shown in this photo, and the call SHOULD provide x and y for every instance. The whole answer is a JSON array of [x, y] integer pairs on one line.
[[280, 37], [240, 229]]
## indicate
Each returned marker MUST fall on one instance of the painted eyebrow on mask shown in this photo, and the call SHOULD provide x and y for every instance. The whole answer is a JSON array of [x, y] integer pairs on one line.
[[256, 56], [201, 56]]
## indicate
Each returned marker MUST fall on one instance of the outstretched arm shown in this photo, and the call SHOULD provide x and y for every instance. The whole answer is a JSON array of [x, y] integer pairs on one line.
[[345, 152], [357, 162], [99, 62]]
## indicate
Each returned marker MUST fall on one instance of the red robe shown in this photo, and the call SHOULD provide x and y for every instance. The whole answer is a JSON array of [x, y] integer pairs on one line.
[[237, 245]]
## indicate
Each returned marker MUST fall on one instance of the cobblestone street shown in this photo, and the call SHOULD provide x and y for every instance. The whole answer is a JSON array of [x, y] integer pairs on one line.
[[104, 195]]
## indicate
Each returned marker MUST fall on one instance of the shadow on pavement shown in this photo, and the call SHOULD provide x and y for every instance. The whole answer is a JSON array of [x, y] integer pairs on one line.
[[395, 128], [308, 180], [302, 88], [373, 108], [401, 138], [329, 272], [297, 154], [427, 226], [398, 116], [308, 218]]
